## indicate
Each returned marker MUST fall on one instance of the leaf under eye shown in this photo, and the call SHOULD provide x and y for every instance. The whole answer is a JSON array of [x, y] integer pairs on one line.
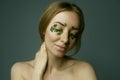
[[72, 36], [59, 32], [56, 30], [54, 25], [51, 29]]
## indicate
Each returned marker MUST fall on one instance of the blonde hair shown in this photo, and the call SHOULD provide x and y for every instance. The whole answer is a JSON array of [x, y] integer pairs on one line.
[[55, 8]]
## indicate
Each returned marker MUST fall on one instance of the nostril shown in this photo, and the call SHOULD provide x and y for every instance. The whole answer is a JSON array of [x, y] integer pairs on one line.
[[65, 37], [65, 40], [67, 43]]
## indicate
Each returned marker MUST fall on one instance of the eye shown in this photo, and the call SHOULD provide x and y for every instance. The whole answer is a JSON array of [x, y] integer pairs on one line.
[[56, 28], [59, 31], [73, 36]]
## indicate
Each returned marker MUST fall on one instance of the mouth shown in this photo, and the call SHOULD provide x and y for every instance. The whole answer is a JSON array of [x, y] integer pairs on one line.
[[61, 48]]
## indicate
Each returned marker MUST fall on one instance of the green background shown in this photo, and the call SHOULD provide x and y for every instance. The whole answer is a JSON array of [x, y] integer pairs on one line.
[[19, 38]]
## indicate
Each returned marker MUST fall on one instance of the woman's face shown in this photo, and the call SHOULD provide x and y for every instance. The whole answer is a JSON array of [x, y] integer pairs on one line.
[[61, 33]]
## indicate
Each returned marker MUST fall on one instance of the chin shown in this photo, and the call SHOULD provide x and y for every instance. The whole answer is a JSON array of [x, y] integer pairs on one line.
[[59, 54]]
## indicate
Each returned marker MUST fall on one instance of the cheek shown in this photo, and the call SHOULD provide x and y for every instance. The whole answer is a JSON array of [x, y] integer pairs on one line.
[[72, 44], [50, 36], [50, 40]]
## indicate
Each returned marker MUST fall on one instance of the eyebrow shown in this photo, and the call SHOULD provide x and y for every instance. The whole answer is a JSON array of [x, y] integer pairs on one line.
[[60, 23], [73, 28]]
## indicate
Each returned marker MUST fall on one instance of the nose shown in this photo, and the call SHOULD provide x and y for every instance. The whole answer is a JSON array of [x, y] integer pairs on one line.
[[65, 38]]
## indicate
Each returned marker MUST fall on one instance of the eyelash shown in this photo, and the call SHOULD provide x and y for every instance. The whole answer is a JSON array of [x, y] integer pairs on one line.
[[60, 31], [53, 29]]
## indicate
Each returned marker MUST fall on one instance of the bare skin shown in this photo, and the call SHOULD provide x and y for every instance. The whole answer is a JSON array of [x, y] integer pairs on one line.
[[69, 69], [50, 62], [78, 70]]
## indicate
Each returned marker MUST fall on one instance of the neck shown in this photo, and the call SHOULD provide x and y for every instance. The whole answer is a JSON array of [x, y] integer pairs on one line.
[[55, 63]]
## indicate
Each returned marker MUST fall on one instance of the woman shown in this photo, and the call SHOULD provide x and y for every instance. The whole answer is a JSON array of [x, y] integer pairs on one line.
[[61, 27]]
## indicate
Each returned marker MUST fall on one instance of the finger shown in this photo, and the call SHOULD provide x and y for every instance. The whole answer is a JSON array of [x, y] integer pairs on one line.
[[42, 52], [41, 48]]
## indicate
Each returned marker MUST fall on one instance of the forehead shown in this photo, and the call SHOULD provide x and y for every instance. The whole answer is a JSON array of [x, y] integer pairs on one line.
[[68, 17]]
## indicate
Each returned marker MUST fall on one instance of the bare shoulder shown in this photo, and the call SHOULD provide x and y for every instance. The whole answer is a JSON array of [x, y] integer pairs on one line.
[[84, 70], [22, 65], [82, 64], [21, 69]]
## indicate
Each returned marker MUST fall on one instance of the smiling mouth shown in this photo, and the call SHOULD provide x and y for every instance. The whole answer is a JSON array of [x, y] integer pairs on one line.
[[61, 48]]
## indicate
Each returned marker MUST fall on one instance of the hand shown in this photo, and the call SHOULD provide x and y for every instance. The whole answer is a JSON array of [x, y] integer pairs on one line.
[[40, 63]]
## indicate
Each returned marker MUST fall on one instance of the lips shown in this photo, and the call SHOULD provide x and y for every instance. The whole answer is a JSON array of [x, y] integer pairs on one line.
[[61, 48]]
